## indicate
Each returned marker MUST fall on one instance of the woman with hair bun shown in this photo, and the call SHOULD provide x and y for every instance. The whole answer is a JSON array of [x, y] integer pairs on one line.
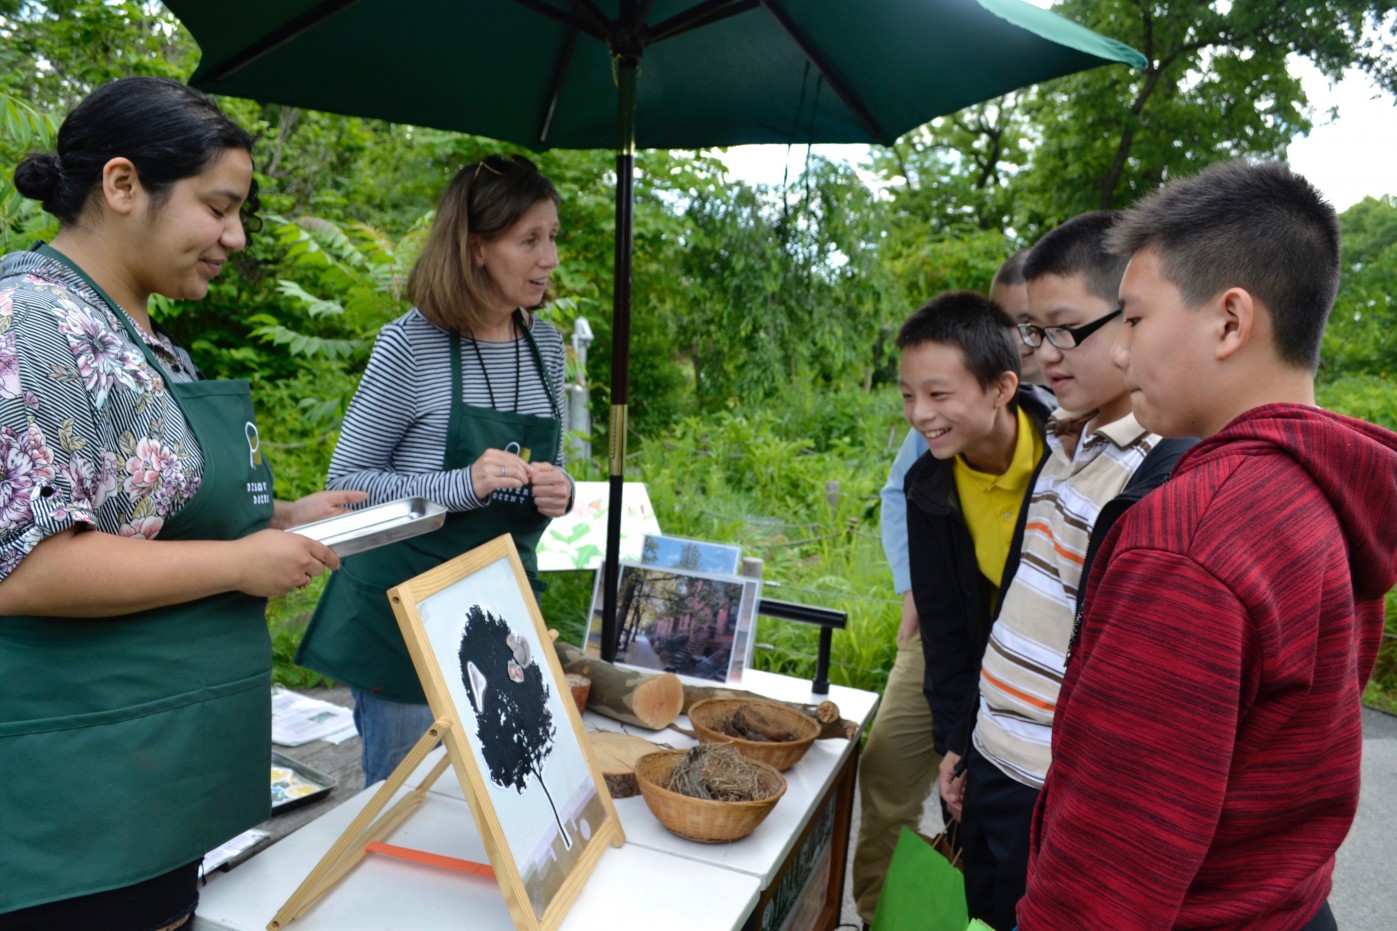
[[136, 549], [461, 403]]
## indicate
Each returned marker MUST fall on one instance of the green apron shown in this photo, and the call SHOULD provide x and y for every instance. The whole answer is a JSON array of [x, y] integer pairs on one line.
[[130, 746], [353, 636]]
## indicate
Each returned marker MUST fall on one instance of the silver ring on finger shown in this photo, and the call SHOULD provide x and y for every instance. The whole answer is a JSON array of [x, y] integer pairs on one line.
[[504, 470]]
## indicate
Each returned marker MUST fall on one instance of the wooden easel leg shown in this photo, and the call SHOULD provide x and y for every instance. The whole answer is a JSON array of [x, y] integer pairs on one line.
[[367, 828]]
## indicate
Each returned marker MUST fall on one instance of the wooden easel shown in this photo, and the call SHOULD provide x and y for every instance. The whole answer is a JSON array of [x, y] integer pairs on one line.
[[367, 828], [557, 887]]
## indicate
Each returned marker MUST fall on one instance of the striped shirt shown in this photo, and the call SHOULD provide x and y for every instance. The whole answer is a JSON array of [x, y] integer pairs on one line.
[[393, 441], [1024, 661]]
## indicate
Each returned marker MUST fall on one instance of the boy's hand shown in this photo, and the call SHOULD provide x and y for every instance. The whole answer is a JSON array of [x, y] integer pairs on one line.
[[910, 619], [951, 786]]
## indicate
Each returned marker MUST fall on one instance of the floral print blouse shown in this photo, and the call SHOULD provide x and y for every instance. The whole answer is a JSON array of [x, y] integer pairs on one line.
[[89, 435]]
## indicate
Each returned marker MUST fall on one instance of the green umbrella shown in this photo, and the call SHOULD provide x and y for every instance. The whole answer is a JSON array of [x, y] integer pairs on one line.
[[563, 74]]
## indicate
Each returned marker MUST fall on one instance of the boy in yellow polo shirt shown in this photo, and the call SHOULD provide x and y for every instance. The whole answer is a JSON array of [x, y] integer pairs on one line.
[[984, 430]]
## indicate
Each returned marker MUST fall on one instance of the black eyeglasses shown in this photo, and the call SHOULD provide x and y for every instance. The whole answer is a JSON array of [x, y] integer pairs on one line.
[[1063, 337]]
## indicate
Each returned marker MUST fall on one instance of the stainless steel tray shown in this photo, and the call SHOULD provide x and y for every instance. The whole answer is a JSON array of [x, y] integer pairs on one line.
[[294, 783], [377, 526]]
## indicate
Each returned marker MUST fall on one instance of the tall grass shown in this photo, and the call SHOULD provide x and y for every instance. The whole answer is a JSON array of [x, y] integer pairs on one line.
[[795, 484]]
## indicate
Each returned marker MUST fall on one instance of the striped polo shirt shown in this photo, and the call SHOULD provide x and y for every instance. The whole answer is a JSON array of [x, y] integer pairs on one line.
[[1023, 665]]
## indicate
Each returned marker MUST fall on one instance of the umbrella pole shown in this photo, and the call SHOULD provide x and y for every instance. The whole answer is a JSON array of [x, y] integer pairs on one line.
[[627, 67]]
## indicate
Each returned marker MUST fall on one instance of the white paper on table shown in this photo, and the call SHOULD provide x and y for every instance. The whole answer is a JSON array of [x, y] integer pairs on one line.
[[232, 847], [298, 719], [577, 540]]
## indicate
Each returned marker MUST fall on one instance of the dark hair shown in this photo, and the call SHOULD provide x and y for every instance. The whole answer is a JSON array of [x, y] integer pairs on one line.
[[1078, 247], [168, 130], [1011, 272], [484, 199], [974, 324], [1261, 227]]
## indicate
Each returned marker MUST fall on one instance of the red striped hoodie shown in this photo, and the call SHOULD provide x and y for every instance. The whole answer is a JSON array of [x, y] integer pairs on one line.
[[1208, 735]]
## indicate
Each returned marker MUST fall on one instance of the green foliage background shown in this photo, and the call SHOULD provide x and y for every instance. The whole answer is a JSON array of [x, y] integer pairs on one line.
[[761, 359]]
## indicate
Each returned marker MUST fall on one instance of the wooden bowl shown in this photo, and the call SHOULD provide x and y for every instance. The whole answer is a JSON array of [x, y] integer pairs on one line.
[[697, 819], [711, 717]]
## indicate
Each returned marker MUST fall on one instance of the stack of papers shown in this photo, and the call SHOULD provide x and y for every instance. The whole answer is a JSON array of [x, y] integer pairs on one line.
[[299, 719]]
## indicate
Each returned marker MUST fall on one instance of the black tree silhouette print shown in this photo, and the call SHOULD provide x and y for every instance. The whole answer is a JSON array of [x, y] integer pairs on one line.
[[506, 690]]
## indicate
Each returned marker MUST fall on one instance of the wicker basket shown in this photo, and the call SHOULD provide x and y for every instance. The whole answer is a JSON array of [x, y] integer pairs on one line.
[[711, 716], [697, 819]]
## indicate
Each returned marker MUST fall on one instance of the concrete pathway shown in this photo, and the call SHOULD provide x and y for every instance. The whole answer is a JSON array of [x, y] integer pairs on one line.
[[1365, 879]]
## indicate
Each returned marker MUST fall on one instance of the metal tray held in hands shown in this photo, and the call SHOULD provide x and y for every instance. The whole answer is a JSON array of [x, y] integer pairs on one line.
[[377, 526]]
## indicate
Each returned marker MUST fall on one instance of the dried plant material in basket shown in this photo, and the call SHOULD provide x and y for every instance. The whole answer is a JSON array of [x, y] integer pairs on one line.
[[763, 731], [708, 821]]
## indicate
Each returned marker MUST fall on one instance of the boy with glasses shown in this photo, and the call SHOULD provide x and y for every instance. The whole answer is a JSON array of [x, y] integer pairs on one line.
[[1206, 754], [996, 774]]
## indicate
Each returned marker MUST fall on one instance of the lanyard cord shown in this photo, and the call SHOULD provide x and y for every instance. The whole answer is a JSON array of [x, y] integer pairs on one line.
[[514, 331]]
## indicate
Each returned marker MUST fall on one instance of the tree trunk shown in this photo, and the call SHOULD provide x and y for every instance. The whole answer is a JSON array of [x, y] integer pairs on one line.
[[649, 700], [562, 830]]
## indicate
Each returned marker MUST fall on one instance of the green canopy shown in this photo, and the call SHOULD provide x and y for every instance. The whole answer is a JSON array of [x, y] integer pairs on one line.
[[585, 74], [715, 73]]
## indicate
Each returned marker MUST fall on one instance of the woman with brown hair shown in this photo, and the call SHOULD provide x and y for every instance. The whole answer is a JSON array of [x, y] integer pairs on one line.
[[461, 403]]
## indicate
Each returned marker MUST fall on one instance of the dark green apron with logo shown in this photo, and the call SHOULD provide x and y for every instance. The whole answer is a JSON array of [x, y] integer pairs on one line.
[[353, 635], [132, 745]]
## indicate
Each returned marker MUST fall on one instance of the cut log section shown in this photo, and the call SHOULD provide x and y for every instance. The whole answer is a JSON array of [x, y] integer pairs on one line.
[[615, 755], [649, 700]]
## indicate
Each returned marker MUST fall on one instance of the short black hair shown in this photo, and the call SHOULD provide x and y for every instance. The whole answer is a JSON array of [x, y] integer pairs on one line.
[[974, 324], [1258, 226], [168, 130], [1078, 247], [1011, 272]]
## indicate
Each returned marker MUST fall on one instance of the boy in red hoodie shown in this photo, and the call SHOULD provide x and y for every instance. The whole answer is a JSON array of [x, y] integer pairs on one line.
[[1208, 734]]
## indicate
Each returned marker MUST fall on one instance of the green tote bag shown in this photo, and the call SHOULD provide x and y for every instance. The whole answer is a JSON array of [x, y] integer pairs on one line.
[[922, 891]]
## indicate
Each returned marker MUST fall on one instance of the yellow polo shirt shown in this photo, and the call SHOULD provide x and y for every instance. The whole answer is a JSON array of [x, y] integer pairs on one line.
[[990, 503]]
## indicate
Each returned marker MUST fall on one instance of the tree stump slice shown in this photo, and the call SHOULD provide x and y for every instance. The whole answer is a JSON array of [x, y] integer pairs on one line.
[[615, 755]]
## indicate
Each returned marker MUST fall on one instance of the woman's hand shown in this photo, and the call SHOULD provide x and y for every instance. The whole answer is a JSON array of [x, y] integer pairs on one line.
[[272, 562], [496, 469], [552, 488], [313, 507]]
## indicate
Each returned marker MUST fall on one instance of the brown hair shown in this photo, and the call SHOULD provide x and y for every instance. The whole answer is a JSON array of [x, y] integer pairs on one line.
[[484, 199]]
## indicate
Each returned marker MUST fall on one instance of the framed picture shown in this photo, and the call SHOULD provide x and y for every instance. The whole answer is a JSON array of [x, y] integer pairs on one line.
[[683, 553], [486, 663], [693, 623], [577, 540]]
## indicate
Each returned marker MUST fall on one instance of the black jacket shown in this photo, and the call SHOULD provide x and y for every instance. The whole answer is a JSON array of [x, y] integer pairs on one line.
[[953, 597]]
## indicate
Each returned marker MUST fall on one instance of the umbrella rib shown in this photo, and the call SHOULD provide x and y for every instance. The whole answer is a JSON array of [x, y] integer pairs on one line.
[[563, 65], [702, 15], [826, 69], [592, 29], [275, 40], [592, 12]]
